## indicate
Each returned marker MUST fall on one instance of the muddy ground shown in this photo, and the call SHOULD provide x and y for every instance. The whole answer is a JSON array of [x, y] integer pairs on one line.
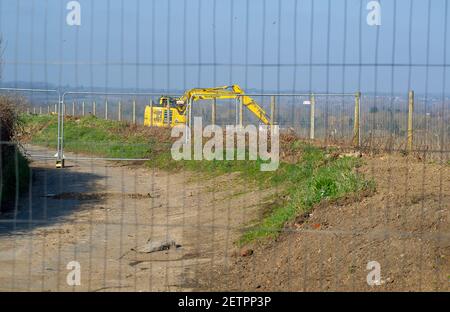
[[404, 226], [101, 214]]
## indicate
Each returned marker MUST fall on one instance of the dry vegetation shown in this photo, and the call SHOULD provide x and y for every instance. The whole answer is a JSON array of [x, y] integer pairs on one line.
[[14, 174]]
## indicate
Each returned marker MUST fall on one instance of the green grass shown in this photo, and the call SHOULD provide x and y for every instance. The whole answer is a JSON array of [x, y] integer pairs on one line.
[[314, 178], [90, 135]]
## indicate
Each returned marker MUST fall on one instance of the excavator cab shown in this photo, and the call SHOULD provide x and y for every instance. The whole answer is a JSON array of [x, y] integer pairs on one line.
[[171, 102], [168, 113], [167, 101]]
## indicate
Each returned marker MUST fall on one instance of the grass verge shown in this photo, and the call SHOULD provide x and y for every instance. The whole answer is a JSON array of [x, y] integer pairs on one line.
[[314, 178], [89, 135], [315, 175]]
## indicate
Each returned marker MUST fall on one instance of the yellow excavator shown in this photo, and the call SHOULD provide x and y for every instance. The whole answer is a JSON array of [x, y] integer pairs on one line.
[[171, 111]]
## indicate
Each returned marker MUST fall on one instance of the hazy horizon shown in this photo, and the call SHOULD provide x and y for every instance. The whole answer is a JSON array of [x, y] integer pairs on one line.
[[320, 46]]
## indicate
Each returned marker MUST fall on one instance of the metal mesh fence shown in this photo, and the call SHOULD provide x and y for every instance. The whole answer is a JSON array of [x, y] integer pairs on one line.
[[359, 198]]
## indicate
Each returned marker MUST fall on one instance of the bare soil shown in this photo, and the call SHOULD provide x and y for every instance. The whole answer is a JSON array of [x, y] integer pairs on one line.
[[99, 213], [404, 226]]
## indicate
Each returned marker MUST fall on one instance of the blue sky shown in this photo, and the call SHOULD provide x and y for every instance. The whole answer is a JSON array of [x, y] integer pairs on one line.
[[266, 45]]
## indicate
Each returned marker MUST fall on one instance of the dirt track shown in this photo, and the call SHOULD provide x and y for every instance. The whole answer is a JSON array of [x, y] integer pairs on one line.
[[98, 213]]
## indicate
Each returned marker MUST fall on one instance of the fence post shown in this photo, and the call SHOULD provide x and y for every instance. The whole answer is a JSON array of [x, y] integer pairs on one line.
[[119, 117], [82, 109], [168, 114], [48, 109], [241, 111], [272, 110], [151, 112], [93, 108], [106, 109], [213, 112], [312, 117], [34, 110], [236, 111], [73, 108], [356, 130], [134, 111], [410, 119]]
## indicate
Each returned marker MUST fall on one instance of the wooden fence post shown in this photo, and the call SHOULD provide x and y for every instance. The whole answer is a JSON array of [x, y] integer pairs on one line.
[[236, 111], [356, 124], [106, 109], [410, 119], [151, 112], [241, 111], [213, 112], [119, 116], [312, 117], [134, 112], [272, 113]]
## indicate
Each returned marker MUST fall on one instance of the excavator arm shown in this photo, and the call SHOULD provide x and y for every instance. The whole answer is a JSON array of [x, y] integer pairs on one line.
[[227, 92], [172, 111]]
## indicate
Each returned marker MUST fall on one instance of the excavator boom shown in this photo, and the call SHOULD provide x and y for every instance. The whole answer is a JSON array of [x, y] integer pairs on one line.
[[228, 92], [167, 116]]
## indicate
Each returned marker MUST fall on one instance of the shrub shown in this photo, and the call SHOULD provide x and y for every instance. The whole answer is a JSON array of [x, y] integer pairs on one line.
[[14, 172]]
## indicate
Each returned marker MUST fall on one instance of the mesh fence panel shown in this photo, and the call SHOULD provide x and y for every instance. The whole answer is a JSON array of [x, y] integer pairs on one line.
[[359, 200]]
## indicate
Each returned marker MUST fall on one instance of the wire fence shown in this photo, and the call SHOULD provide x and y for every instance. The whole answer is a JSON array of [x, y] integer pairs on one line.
[[359, 200], [383, 121]]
